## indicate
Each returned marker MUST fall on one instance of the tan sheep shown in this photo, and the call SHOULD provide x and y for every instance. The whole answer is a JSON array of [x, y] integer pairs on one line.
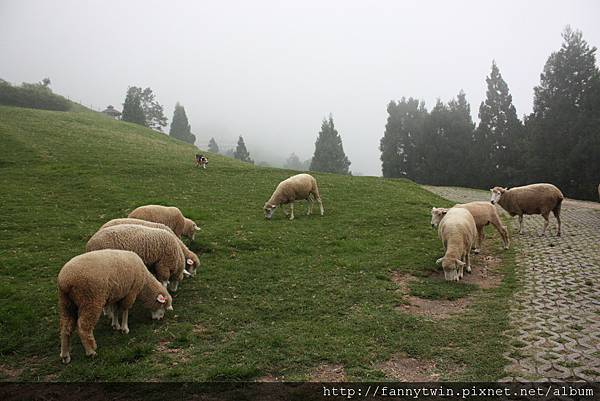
[[169, 216], [159, 249], [297, 187], [530, 199], [483, 213], [191, 259], [107, 278], [458, 233]]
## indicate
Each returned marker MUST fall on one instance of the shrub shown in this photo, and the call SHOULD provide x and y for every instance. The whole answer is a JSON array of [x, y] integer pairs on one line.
[[35, 96]]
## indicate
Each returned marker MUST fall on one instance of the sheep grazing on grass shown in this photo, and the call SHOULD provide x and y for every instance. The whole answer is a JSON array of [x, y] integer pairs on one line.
[[191, 259], [169, 216], [458, 232], [530, 199], [159, 249], [297, 187], [107, 278], [483, 213]]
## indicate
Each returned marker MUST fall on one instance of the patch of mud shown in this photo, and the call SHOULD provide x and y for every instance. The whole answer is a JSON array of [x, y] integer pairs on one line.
[[328, 373], [402, 280], [405, 369]]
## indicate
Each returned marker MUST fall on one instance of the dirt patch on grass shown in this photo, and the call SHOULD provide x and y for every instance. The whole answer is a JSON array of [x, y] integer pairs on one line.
[[179, 355], [405, 369], [435, 308], [270, 379], [328, 373], [8, 372], [484, 272]]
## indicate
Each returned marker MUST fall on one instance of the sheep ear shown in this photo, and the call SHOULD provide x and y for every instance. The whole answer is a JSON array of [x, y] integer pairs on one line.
[[437, 262], [444, 211], [186, 273], [460, 262], [189, 262], [161, 298], [197, 228]]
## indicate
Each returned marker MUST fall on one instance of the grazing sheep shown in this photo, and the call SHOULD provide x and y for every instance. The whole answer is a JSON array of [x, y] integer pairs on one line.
[[159, 249], [483, 213], [191, 259], [530, 199], [458, 232], [107, 278], [169, 216], [297, 187]]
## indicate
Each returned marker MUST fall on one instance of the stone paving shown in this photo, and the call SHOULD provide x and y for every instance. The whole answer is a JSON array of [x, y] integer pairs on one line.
[[555, 316]]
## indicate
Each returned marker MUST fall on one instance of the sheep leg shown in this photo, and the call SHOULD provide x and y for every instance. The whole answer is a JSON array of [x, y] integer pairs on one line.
[[320, 205], [310, 203], [520, 224], [503, 232], [67, 324], [88, 317], [113, 313], [468, 261], [557, 215], [546, 217], [124, 321], [126, 304], [285, 212], [480, 236], [292, 211]]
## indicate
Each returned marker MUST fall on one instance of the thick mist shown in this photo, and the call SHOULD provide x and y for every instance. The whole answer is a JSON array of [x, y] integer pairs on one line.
[[271, 70]]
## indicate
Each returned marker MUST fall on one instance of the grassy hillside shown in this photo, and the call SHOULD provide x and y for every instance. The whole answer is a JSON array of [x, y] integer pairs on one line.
[[272, 298]]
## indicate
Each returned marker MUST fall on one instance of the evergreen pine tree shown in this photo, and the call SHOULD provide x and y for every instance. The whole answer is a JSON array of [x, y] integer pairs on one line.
[[329, 153], [241, 153], [132, 108], [212, 146], [563, 127], [180, 127], [499, 139], [405, 123]]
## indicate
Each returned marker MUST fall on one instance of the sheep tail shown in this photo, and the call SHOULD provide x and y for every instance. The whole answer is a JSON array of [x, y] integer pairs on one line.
[[67, 306]]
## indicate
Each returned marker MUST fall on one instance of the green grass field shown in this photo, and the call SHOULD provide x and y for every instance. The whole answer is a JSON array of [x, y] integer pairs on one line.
[[272, 298]]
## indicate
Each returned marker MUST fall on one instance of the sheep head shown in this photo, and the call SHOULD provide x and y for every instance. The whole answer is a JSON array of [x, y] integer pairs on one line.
[[437, 214], [451, 267], [269, 209], [497, 193]]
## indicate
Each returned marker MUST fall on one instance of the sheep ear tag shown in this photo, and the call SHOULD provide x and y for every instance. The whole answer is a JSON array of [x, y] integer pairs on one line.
[[161, 298], [189, 262]]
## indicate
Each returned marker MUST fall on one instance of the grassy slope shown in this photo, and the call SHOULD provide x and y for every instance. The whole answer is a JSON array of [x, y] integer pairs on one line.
[[274, 297]]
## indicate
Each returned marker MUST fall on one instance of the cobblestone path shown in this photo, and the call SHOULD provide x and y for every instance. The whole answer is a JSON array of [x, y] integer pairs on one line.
[[555, 316]]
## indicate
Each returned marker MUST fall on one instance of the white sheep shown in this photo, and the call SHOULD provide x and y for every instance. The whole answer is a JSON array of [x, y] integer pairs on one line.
[[483, 213], [530, 199], [297, 187], [458, 233], [169, 216], [107, 278], [159, 249], [191, 259]]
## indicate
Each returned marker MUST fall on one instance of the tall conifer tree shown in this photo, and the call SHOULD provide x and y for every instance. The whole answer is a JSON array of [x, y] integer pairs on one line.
[[329, 153], [180, 127]]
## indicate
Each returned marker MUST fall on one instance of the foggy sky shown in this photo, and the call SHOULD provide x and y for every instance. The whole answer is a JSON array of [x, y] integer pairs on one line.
[[272, 70]]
